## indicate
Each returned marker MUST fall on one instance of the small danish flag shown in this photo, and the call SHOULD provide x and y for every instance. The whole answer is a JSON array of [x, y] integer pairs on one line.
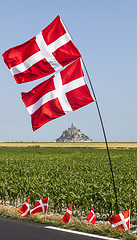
[[25, 209], [41, 206], [120, 221], [91, 216], [67, 216]]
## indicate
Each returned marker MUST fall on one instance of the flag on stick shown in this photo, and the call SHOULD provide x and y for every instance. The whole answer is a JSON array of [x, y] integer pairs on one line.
[[41, 206], [42, 55], [25, 209], [64, 92], [67, 216], [91, 216], [120, 221]]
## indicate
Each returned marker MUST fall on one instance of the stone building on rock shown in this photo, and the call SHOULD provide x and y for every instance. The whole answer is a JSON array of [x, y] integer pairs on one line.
[[73, 134]]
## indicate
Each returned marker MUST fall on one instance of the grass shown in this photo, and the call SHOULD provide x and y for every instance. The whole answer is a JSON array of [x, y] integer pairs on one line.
[[76, 224]]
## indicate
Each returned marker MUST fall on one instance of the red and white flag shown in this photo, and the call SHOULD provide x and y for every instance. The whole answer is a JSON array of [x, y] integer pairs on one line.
[[41, 206], [91, 216], [67, 216], [120, 221], [64, 92], [25, 209], [43, 54]]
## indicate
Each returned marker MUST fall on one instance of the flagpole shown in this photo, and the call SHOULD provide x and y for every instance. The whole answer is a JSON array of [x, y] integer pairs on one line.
[[103, 129]]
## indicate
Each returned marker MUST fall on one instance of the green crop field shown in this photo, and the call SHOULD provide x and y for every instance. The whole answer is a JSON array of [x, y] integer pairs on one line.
[[81, 175]]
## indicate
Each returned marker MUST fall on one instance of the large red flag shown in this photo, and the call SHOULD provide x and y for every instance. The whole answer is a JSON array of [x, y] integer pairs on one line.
[[64, 92], [42, 55], [120, 221]]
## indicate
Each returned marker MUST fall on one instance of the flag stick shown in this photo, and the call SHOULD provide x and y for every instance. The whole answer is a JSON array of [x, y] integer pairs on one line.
[[103, 129]]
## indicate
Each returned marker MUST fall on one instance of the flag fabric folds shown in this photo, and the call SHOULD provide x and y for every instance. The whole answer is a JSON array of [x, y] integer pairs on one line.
[[64, 92], [41, 206], [91, 216], [120, 221], [51, 51], [43, 54], [67, 216], [25, 209]]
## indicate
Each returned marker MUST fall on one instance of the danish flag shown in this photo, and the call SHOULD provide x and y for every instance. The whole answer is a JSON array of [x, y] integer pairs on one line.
[[43, 54], [67, 216], [64, 92], [91, 216], [25, 209], [41, 206], [121, 221]]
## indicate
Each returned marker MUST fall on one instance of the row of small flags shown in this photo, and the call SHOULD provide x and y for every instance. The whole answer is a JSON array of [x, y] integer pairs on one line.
[[42, 205], [119, 222]]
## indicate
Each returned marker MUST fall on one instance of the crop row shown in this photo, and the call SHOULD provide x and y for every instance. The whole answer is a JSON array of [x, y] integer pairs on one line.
[[81, 175]]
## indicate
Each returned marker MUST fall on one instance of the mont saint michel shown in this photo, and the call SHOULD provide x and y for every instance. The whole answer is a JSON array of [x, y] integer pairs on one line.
[[73, 134]]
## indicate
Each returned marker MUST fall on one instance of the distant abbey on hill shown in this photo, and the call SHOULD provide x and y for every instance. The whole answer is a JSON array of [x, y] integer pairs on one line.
[[73, 134]]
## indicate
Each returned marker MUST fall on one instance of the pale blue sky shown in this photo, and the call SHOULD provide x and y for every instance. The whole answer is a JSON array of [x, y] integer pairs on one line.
[[105, 32]]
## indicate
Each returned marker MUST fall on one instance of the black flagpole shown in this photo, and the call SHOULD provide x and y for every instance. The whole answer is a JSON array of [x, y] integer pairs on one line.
[[117, 208]]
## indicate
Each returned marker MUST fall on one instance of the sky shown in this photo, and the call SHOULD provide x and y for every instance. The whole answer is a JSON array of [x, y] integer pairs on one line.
[[105, 32]]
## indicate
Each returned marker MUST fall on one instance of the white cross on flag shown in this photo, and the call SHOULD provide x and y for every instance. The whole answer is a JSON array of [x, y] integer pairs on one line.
[[42, 55], [64, 92], [41, 206], [25, 209], [120, 221], [91, 216]]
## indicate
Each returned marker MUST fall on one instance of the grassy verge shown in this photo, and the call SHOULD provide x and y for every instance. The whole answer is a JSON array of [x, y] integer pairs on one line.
[[100, 228]]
